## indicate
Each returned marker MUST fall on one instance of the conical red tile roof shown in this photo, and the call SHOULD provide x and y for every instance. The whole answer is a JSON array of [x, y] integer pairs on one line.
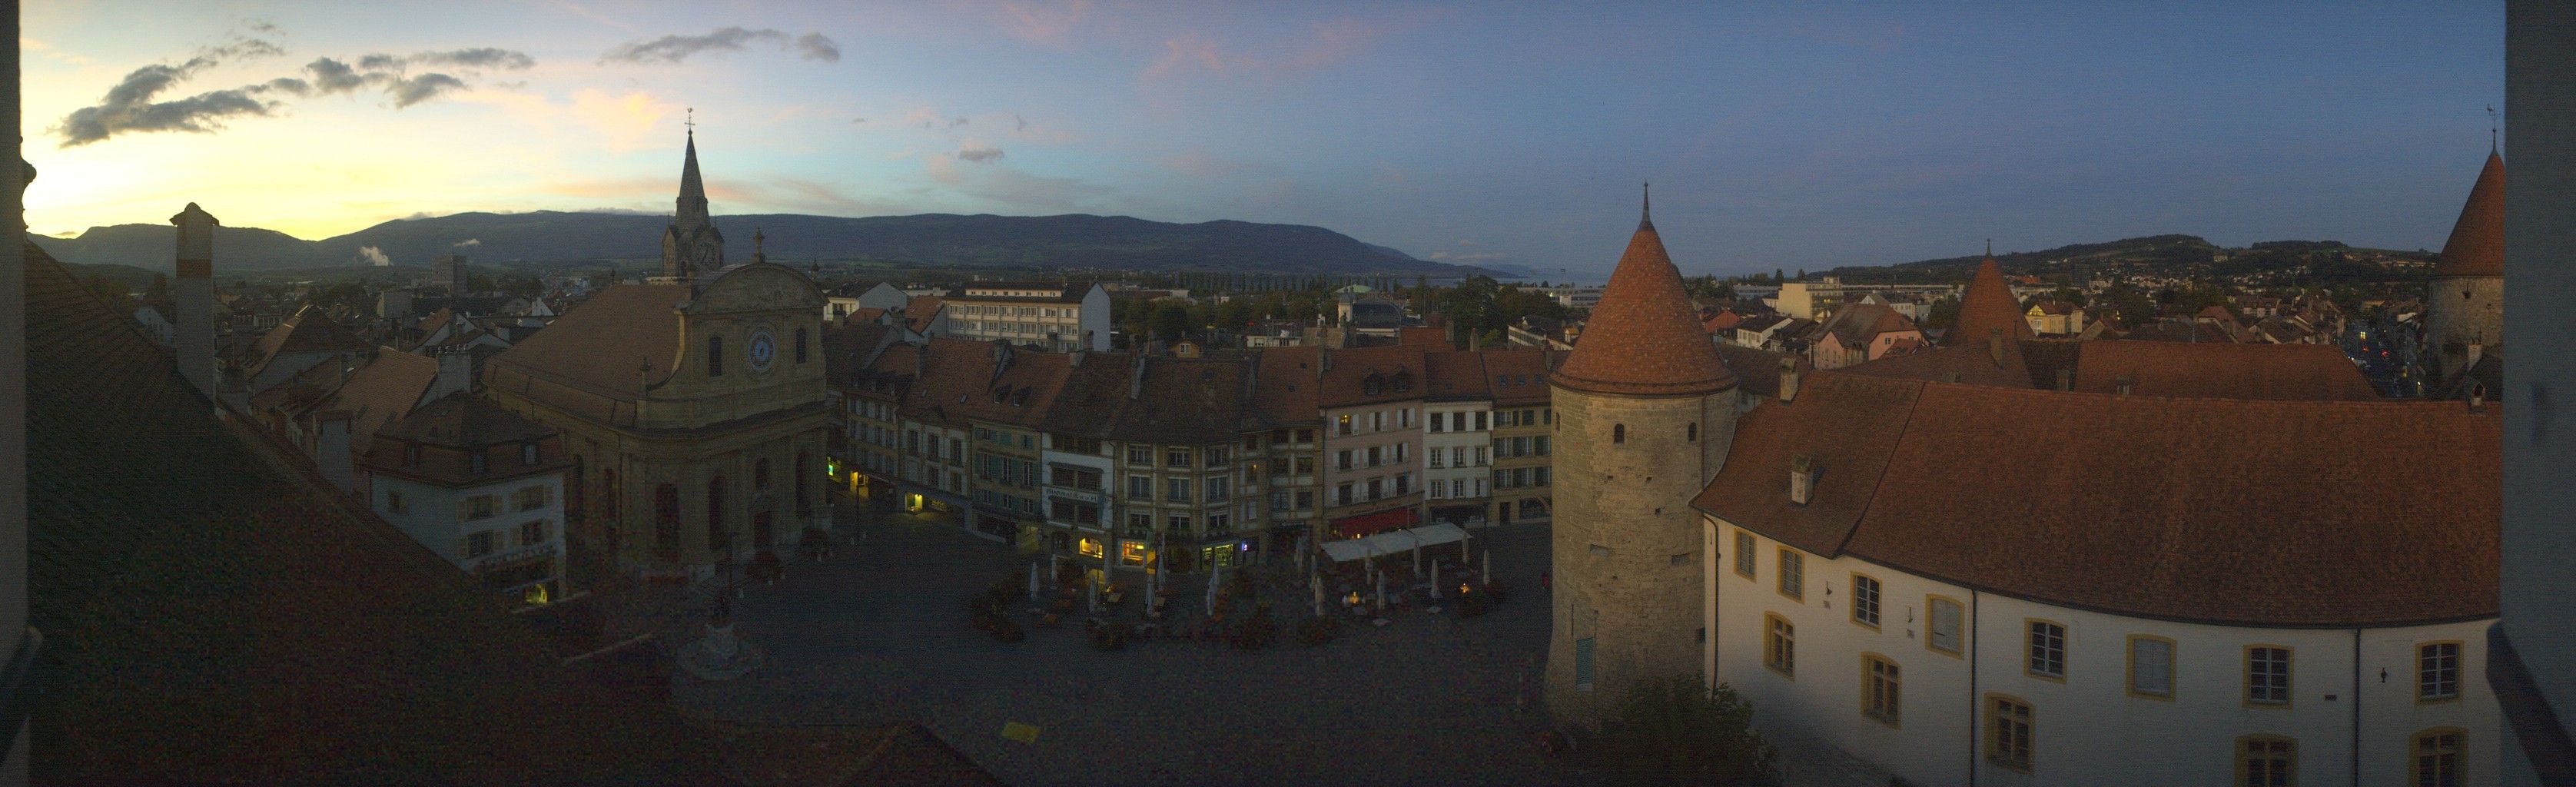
[[1988, 304], [1644, 338], [2476, 247]]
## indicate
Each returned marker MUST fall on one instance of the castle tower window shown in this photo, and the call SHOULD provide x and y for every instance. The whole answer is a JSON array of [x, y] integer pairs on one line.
[[715, 356], [1618, 434], [1691, 434], [800, 345]]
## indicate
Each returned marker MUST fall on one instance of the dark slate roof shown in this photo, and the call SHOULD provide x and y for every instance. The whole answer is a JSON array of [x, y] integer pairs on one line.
[[231, 621], [2223, 511], [1186, 401]]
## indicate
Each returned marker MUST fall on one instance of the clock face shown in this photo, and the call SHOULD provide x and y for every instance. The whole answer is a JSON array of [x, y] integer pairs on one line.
[[763, 349]]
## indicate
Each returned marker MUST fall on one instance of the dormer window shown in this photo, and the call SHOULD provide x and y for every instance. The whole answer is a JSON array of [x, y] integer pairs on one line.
[[411, 455]]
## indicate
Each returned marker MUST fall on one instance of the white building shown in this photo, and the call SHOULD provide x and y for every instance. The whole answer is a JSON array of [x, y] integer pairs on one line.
[[2233, 591], [848, 299], [478, 485], [1458, 438], [1053, 316]]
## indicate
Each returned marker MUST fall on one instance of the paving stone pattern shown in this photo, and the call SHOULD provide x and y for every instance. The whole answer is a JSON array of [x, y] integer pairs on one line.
[[879, 633]]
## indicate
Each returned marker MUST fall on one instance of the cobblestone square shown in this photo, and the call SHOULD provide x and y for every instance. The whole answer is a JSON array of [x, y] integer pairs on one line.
[[880, 633]]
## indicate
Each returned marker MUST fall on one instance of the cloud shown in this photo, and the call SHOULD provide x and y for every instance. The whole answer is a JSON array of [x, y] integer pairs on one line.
[[375, 256], [816, 47], [406, 92], [1443, 256], [1331, 43], [858, 120], [1050, 25], [482, 57], [469, 243], [285, 85], [128, 106], [672, 49], [241, 49], [982, 155], [332, 76]]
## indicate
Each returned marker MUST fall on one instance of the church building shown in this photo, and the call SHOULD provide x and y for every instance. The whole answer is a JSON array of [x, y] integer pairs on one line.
[[693, 407]]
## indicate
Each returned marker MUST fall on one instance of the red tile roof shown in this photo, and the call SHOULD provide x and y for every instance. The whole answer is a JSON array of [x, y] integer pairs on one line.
[[2476, 247], [1988, 304], [1519, 376], [918, 313], [1428, 337], [2211, 510], [1457, 374], [1286, 392], [2280, 372], [1644, 337], [612, 345], [232, 622], [1399, 373]]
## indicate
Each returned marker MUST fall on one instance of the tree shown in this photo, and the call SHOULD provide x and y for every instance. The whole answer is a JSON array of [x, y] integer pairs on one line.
[[1945, 313], [1675, 731], [1171, 320]]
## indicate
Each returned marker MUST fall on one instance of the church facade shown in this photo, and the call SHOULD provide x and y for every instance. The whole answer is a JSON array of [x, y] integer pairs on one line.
[[693, 406]]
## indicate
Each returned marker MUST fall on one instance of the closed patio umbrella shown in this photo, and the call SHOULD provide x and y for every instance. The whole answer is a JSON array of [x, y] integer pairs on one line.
[[1488, 576], [1033, 580], [1435, 581]]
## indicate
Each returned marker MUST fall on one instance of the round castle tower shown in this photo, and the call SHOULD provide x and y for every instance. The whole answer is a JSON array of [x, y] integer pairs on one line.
[[2464, 309], [1644, 414]]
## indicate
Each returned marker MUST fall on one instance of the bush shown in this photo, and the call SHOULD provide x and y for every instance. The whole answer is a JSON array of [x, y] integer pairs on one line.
[[1317, 631], [1112, 636], [1005, 630], [1500, 592], [1674, 730]]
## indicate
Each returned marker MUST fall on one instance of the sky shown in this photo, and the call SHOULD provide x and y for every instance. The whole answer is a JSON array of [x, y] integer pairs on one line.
[[1776, 136]]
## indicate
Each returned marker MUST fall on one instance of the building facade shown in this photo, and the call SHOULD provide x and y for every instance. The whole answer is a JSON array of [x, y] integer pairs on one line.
[[481, 487], [1523, 436], [1051, 317], [1371, 403], [694, 407], [1458, 438]]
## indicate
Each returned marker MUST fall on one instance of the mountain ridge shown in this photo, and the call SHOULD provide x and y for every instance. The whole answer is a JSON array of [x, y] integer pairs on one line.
[[544, 238]]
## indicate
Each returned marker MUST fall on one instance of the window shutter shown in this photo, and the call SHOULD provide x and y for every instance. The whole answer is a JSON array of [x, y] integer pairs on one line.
[[1583, 663]]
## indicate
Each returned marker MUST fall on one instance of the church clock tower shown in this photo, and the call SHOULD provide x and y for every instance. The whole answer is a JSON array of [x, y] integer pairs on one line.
[[691, 246]]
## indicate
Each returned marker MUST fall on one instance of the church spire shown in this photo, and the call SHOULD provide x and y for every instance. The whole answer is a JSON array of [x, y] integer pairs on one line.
[[693, 189]]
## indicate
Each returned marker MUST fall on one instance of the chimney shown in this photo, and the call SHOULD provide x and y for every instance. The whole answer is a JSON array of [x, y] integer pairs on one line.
[[193, 340], [2065, 379], [1323, 359], [2477, 396], [2476, 350], [2123, 384], [1802, 479], [1995, 344], [1136, 377], [1788, 380]]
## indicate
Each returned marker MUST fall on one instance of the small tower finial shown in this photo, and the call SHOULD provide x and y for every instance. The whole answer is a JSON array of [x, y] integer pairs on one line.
[[1990, 247], [2491, 130], [1648, 192], [692, 122]]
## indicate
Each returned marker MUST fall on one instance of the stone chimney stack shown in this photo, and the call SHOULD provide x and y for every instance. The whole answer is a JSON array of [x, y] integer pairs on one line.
[[194, 296], [1788, 380], [1802, 479], [2123, 384], [1995, 344], [2065, 379], [2477, 397]]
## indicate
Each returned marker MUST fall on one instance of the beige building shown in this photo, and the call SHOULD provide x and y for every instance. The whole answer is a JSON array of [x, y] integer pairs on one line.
[[1050, 316], [693, 407], [1524, 423]]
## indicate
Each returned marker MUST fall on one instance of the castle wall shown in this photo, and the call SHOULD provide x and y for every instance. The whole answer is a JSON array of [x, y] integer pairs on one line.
[[1627, 551], [2474, 317]]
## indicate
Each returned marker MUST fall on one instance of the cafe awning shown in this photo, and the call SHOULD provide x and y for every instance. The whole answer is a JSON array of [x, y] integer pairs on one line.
[[1366, 524]]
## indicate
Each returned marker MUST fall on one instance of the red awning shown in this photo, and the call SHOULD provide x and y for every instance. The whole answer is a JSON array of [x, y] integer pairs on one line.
[[1370, 524]]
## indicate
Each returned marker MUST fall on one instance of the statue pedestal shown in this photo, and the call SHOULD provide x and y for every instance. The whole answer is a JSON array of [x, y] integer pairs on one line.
[[719, 655]]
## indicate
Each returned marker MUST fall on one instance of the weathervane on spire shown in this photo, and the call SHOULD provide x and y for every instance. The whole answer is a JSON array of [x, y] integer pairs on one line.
[[1990, 247], [2491, 128], [692, 122]]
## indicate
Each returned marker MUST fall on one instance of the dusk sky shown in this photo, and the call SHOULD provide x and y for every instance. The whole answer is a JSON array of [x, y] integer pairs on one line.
[[1776, 137]]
